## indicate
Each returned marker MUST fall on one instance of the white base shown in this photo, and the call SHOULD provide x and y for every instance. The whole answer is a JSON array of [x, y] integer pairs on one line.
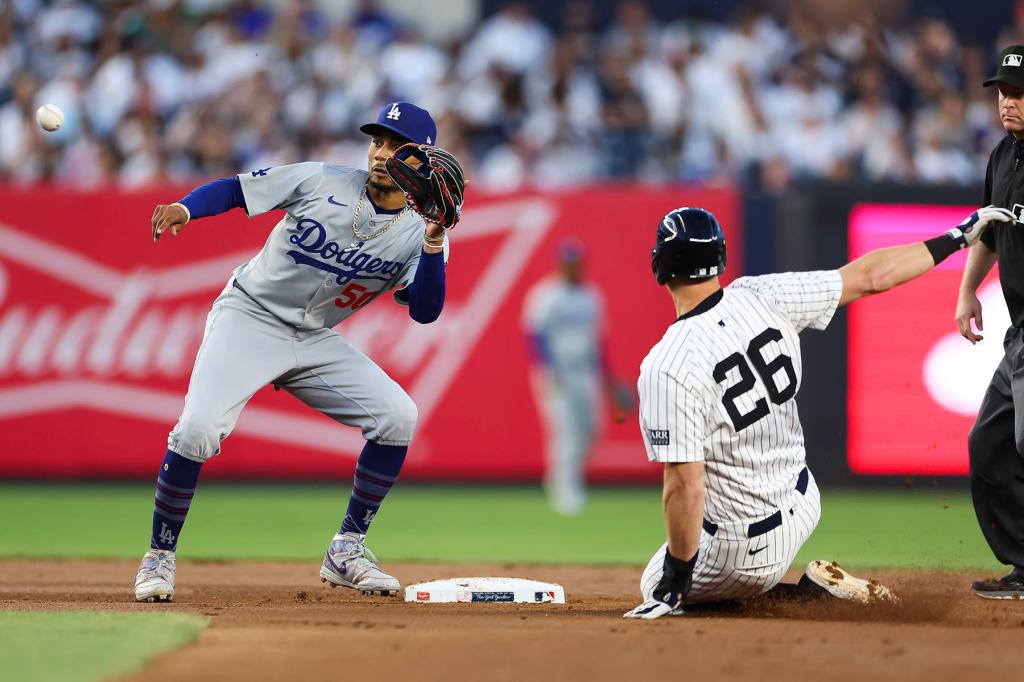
[[485, 590]]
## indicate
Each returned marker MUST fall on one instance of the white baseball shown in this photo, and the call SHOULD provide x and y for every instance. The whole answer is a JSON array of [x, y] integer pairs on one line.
[[50, 117]]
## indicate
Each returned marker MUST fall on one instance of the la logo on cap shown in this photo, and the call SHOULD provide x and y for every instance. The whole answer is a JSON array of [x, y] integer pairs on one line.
[[1012, 60], [395, 113]]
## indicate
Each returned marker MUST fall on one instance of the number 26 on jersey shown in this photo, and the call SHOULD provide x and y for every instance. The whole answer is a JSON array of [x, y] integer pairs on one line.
[[765, 369]]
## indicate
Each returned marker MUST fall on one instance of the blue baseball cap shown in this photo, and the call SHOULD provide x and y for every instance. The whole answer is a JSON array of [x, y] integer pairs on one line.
[[404, 119], [570, 250]]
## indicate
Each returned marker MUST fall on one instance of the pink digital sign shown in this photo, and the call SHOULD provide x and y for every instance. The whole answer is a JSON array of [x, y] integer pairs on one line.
[[915, 384]]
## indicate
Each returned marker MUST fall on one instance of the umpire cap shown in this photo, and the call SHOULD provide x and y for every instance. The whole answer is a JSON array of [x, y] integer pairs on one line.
[[690, 245], [1011, 68]]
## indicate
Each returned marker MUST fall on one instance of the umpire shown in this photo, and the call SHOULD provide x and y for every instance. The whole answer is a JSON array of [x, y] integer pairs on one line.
[[996, 443]]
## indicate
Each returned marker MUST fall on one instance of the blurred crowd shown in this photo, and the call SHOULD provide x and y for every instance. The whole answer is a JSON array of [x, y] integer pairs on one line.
[[185, 90]]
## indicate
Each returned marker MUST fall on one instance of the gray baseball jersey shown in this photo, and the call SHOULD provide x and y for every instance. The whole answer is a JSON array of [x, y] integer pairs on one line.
[[313, 272], [569, 319]]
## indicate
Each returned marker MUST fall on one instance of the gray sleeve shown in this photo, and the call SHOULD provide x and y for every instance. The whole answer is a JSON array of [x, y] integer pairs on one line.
[[280, 187]]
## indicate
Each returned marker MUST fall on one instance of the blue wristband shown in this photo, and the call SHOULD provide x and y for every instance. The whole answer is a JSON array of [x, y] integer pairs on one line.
[[214, 198]]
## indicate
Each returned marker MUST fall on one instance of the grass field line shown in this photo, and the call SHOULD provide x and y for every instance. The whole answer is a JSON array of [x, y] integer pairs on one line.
[[466, 524]]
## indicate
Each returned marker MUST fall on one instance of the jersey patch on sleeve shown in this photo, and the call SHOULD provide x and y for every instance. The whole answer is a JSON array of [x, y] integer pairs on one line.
[[658, 436]]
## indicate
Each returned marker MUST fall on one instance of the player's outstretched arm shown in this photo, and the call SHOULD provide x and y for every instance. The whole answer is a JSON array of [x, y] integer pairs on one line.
[[210, 199], [979, 262], [883, 269]]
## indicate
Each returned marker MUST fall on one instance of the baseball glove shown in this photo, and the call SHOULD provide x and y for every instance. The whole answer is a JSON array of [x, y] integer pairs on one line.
[[432, 180], [623, 400]]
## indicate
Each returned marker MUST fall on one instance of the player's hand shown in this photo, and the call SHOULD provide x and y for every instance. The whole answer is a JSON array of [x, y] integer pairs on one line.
[[670, 593], [975, 224], [168, 217], [433, 230], [623, 400], [968, 307], [668, 605]]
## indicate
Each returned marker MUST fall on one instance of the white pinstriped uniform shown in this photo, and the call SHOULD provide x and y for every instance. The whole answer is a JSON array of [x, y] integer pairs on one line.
[[719, 388]]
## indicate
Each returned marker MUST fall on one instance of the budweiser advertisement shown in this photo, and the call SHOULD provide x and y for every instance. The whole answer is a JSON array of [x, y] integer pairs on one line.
[[99, 328], [915, 384]]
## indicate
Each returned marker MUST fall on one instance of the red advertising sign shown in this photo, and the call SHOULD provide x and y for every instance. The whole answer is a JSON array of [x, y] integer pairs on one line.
[[915, 384], [99, 328]]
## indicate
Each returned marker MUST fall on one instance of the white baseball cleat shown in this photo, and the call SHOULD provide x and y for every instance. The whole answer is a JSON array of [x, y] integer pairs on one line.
[[840, 584], [155, 581], [349, 563]]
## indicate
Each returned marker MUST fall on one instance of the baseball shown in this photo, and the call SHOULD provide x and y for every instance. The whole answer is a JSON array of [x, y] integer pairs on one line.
[[50, 117]]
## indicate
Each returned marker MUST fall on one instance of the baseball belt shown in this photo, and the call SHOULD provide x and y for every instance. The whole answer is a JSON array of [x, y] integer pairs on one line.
[[768, 523]]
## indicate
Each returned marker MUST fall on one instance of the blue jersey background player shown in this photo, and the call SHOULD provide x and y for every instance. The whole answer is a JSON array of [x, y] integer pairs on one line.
[[563, 317], [347, 237]]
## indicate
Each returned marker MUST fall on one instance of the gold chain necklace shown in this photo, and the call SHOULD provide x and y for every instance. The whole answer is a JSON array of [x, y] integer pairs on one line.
[[355, 220]]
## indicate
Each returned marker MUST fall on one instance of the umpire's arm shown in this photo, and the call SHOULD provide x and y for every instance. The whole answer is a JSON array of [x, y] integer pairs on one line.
[[980, 260]]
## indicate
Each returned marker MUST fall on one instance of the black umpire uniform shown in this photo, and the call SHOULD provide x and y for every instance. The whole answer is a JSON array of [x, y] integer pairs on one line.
[[996, 443]]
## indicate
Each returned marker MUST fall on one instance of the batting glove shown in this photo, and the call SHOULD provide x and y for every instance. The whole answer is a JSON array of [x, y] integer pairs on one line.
[[974, 225], [667, 598], [666, 605]]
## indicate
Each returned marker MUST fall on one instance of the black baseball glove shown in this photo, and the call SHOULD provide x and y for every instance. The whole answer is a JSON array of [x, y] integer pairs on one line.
[[432, 180]]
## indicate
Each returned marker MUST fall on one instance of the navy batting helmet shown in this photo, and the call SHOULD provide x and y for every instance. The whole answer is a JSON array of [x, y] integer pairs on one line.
[[690, 245]]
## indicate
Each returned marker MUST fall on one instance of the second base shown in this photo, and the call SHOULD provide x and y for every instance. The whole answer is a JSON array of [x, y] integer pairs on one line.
[[486, 590]]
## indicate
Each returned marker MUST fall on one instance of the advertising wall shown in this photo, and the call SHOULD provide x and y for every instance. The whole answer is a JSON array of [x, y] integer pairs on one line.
[[99, 328], [914, 384]]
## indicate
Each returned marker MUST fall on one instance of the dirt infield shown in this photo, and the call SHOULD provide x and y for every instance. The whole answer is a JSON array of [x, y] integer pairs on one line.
[[276, 621]]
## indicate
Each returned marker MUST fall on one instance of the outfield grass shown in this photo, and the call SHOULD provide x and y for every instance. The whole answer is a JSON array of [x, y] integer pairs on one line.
[[87, 645], [933, 529]]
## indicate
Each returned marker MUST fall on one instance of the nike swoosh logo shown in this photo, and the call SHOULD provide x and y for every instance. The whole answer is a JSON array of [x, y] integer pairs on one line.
[[757, 551], [330, 200]]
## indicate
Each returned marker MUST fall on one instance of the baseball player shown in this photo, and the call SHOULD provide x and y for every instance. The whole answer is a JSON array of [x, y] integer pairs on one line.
[[347, 236], [564, 321], [717, 407], [996, 443]]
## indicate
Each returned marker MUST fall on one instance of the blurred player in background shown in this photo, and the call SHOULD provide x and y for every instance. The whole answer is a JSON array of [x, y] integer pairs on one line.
[[563, 317], [718, 408], [996, 443]]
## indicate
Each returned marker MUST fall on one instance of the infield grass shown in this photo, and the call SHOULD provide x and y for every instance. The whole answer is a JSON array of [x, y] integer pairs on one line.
[[87, 645], [890, 529]]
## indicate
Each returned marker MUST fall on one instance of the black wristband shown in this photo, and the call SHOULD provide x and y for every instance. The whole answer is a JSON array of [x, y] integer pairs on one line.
[[676, 576], [945, 245]]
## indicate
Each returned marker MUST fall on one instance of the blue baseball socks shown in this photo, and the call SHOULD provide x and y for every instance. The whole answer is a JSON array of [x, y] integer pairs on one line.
[[175, 487], [376, 471]]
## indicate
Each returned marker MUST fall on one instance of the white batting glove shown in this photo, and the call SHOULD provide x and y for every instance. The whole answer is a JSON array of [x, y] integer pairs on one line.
[[669, 605], [974, 225]]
